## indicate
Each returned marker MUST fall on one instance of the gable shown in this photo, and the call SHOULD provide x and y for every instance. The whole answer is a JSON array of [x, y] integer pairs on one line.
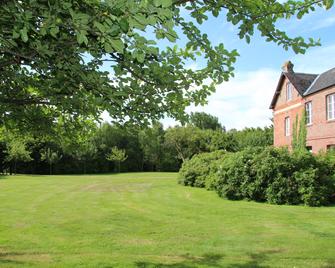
[[300, 82]]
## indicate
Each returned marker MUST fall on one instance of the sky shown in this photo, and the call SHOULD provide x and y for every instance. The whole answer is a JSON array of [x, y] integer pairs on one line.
[[244, 100]]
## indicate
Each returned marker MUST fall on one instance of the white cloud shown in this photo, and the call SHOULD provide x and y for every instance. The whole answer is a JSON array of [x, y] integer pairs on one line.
[[316, 60], [324, 23], [242, 102]]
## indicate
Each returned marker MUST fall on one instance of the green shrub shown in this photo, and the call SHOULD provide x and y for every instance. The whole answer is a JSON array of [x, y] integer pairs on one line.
[[235, 175], [283, 190], [195, 171], [266, 175]]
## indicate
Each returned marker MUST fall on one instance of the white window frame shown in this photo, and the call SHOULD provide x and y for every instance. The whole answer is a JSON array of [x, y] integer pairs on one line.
[[330, 103], [309, 112], [330, 147], [288, 91], [287, 126]]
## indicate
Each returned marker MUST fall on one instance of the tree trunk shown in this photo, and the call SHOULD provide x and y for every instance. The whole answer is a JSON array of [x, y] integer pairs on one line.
[[84, 166]]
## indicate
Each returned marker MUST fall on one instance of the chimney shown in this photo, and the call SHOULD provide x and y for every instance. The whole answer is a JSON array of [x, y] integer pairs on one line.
[[288, 67]]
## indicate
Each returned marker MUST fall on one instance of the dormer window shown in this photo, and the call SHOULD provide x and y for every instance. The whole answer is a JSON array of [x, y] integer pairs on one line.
[[288, 91]]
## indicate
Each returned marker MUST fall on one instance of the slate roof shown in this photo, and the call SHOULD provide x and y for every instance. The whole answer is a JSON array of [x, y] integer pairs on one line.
[[301, 81], [323, 81], [306, 84]]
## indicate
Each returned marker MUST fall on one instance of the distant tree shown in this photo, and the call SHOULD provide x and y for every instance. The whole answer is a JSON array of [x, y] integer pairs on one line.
[[152, 140], [85, 153], [205, 121], [253, 137], [187, 141], [77, 142], [117, 155], [125, 137], [223, 141], [17, 151], [51, 157]]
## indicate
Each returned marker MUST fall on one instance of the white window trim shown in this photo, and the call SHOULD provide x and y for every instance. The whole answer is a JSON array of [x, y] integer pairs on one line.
[[330, 102], [289, 92], [309, 112], [287, 126]]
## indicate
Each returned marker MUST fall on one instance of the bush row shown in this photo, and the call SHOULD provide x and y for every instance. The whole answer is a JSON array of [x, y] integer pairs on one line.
[[272, 175]]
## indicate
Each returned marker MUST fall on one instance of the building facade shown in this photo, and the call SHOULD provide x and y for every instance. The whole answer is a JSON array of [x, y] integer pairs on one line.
[[313, 94]]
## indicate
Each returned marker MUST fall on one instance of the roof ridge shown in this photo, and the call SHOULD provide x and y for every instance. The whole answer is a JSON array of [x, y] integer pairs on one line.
[[329, 70], [313, 83], [322, 81], [306, 73]]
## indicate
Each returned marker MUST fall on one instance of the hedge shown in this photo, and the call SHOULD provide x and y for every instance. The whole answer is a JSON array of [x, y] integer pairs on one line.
[[272, 175]]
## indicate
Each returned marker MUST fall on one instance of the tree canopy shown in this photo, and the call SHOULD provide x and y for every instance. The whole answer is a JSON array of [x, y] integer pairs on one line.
[[205, 121], [63, 60]]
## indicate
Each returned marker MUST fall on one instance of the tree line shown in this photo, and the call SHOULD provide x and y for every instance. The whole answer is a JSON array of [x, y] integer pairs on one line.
[[112, 148]]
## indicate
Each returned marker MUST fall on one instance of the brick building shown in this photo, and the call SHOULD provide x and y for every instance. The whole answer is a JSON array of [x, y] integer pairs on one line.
[[299, 92]]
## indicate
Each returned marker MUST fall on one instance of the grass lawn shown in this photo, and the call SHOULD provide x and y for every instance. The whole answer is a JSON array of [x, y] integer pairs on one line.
[[148, 220]]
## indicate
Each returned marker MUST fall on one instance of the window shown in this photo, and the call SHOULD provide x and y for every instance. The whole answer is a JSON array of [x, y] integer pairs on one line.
[[331, 107], [288, 91], [287, 126], [331, 147], [308, 109]]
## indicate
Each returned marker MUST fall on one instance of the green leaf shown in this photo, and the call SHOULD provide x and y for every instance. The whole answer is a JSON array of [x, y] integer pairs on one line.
[[124, 25], [166, 3], [16, 35], [108, 47], [54, 31], [140, 56], [100, 26], [114, 30], [118, 45], [215, 12], [163, 3], [329, 3], [247, 38], [157, 3], [24, 34], [81, 38]]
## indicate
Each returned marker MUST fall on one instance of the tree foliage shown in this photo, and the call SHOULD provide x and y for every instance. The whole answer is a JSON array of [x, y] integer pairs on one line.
[[17, 151], [151, 140], [117, 155], [205, 121], [150, 148], [51, 157], [54, 55]]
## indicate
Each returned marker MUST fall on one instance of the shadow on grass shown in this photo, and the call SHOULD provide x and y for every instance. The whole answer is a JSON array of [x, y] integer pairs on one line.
[[213, 260], [256, 259], [6, 258]]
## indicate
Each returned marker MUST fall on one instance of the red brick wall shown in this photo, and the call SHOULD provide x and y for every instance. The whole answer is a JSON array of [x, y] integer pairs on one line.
[[321, 132], [285, 109]]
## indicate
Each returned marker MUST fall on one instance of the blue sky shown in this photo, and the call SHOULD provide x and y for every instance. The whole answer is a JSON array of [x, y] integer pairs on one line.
[[244, 100]]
